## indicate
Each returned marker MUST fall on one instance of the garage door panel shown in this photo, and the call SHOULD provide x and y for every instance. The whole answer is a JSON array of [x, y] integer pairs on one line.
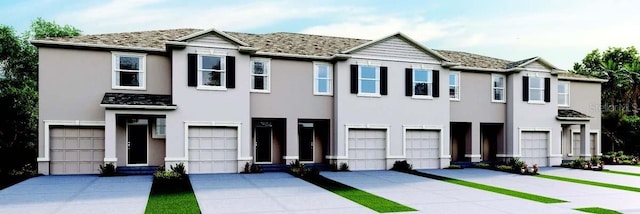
[[76, 150], [212, 150], [71, 143], [423, 148], [367, 149], [534, 147]]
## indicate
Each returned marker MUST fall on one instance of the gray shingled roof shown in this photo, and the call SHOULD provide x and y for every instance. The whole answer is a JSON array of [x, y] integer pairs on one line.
[[137, 99], [286, 43], [518, 63], [570, 113]]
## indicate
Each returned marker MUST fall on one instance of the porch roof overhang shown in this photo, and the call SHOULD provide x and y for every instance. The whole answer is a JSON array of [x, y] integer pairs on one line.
[[572, 115], [137, 101]]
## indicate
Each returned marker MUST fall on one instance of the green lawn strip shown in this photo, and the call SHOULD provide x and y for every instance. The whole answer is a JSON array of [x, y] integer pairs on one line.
[[371, 201], [597, 210], [621, 172], [593, 183], [513, 193], [172, 197]]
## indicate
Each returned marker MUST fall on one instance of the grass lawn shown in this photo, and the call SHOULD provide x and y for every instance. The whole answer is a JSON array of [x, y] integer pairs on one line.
[[621, 172], [597, 210], [176, 197], [494, 189], [371, 201], [593, 183]]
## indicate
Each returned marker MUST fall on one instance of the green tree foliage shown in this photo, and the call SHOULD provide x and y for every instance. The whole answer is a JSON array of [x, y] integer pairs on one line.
[[620, 95], [19, 94]]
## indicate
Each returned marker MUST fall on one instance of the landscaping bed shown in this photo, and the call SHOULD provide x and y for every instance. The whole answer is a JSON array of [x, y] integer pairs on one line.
[[171, 192]]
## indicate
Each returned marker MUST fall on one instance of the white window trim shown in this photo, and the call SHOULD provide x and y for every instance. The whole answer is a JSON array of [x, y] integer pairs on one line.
[[316, 78], [154, 133], [504, 88], [115, 66], [377, 79], [267, 67], [223, 79], [458, 86], [426, 128], [531, 78], [567, 94], [413, 82]]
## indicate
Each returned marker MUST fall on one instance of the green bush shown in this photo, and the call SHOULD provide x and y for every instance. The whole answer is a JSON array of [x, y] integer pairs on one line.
[[566, 164], [177, 173], [344, 166], [516, 164], [180, 169], [402, 166], [252, 168], [453, 166], [578, 163], [482, 165], [108, 169], [505, 168]]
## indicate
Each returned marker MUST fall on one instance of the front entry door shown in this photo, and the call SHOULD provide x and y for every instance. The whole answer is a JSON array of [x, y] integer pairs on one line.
[[263, 144], [137, 144], [305, 140]]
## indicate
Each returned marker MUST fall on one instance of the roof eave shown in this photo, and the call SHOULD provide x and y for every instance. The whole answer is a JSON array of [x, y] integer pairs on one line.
[[583, 79], [148, 107], [212, 30], [573, 118], [46, 43]]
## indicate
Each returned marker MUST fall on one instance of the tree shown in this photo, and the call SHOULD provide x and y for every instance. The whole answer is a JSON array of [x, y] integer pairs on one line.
[[19, 94]]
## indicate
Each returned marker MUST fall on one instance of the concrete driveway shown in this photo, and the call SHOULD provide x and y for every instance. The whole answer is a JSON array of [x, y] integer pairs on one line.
[[77, 194], [433, 196], [624, 168], [266, 193], [578, 195]]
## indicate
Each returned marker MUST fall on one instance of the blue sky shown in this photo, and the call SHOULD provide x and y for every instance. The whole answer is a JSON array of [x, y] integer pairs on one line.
[[562, 32]]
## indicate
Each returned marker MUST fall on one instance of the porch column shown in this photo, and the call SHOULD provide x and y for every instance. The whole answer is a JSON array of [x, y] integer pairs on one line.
[[585, 141], [475, 143], [292, 140], [110, 137], [565, 139]]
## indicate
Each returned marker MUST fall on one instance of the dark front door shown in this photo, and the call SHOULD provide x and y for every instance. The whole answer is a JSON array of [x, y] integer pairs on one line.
[[263, 144], [305, 140], [137, 145]]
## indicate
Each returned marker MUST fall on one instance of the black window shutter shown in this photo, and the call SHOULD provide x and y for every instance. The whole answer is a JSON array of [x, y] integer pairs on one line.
[[547, 90], [408, 82], [231, 72], [383, 81], [192, 69], [525, 88], [354, 79], [436, 83]]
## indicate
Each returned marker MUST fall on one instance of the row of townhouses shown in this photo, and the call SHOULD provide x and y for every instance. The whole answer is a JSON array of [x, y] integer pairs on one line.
[[216, 100]]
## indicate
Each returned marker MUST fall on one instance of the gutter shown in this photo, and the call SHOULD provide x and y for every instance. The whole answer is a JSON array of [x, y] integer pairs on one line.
[[582, 79], [149, 107], [573, 118], [44, 43]]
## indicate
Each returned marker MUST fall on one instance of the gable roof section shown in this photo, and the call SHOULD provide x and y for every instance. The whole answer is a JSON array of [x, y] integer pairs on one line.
[[474, 60], [298, 44], [212, 31], [525, 62], [403, 37], [572, 115]]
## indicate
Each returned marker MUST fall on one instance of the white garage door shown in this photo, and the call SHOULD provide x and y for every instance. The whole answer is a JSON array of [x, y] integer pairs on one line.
[[213, 150], [576, 144], [423, 147], [76, 150], [534, 147], [367, 149]]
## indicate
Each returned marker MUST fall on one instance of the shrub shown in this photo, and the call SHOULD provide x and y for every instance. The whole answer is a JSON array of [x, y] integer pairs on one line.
[[402, 166], [255, 168], [595, 160], [296, 168], [247, 168], [180, 169], [108, 169], [505, 168], [535, 169], [333, 167], [177, 173], [482, 165], [344, 166], [578, 163], [516, 164], [566, 164], [453, 166]]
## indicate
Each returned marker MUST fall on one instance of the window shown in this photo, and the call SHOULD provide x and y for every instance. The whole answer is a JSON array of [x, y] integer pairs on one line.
[[498, 88], [536, 89], [260, 72], [160, 128], [454, 86], [211, 72], [422, 82], [128, 71], [322, 79], [563, 94], [369, 80]]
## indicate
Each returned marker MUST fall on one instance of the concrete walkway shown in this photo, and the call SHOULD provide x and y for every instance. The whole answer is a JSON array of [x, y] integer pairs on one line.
[[433, 196], [77, 194], [578, 195], [266, 193], [624, 168]]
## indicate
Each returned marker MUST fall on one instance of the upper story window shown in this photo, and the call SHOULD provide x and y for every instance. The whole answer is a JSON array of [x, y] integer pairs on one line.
[[498, 89], [563, 94], [369, 80], [422, 82], [128, 71], [211, 72], [454, 85], [536, 89], [260, 73], [322, 78]]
